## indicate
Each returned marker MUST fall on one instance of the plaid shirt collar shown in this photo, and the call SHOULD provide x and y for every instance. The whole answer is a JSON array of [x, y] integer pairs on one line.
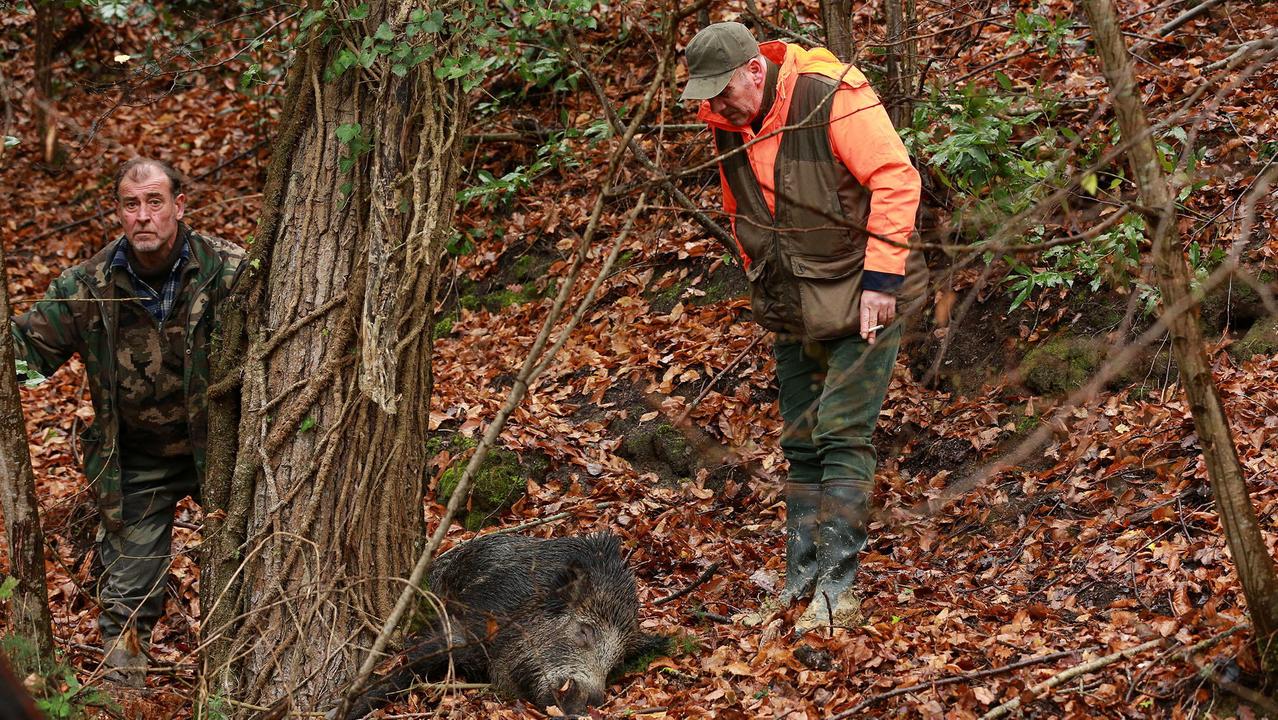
[[158, 302]]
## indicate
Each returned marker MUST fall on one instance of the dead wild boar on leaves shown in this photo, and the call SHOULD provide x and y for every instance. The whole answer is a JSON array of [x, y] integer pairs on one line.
[[543, 620]]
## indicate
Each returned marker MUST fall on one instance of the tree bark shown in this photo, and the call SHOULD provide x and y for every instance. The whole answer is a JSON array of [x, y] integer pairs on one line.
[[335, 367], [1233, 503], [836, 16], [902, 60], [30, 600], [46, 131]]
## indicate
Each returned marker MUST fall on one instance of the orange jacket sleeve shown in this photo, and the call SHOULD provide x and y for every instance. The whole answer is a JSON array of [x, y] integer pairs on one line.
[[865, 141]]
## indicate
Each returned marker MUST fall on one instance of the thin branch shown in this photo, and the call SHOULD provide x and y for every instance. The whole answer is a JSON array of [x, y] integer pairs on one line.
[[1067, 675], [719, 375], [701, 580], [1186, 16], [546, 520], [964, 677]]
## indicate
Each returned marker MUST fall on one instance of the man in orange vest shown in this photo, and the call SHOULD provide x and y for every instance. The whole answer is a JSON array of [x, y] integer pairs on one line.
[[822, 198]]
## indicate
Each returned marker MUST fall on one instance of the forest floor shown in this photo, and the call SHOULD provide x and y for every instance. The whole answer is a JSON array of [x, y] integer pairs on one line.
[[659, 419]]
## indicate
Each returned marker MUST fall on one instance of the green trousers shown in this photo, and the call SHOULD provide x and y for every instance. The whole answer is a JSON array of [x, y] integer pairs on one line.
[[134, 561], [830, 396]]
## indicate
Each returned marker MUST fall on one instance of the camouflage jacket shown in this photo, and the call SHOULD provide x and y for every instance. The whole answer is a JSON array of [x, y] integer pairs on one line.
[[80, 313]]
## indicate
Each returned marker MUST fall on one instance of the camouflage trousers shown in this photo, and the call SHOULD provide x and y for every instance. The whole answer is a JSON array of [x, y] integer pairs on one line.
[[134, 562], [830, 396]]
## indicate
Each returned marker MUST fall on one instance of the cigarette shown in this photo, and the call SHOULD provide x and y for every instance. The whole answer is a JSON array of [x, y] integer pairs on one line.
[[875, 328]]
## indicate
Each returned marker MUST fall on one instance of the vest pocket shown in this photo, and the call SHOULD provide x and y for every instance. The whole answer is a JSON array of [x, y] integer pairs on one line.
[[765, 302], [830, 293]]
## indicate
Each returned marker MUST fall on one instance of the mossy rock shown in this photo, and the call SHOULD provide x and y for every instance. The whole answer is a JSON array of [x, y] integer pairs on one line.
[[662, 302], [725, 283], [1236, 305], [1062, 364], [660, 444], [1261, 339], [501, 480]]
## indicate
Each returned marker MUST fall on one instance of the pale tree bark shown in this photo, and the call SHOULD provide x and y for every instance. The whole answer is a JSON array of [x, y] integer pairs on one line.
[[902, 60], [1233, 503], [322, 506], [836, 17], [29, 605]]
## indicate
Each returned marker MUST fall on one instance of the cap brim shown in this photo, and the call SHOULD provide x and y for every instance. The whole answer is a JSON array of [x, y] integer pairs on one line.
[[704, 88]]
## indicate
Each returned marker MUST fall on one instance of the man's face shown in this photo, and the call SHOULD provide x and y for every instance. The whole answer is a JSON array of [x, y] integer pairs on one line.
[[741, 99], [149, 212]]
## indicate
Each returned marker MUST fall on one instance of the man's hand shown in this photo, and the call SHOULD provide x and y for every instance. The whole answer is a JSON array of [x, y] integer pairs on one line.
[[877, 312]]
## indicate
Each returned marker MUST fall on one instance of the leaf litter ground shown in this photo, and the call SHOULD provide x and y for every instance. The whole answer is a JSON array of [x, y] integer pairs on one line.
[[1106, 538]]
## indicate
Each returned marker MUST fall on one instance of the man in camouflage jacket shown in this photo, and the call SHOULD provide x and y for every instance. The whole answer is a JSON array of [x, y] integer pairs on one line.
[[140, 313]]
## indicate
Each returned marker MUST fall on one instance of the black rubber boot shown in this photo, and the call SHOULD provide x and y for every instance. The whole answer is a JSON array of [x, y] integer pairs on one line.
[[802, 505], [845, 510]]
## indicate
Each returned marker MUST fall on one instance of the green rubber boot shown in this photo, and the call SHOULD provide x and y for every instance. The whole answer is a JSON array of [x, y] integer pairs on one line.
[[802, 505], [845, 510], [124, 660]]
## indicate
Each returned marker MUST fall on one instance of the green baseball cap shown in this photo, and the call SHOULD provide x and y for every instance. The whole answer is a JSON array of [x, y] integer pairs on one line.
[[713, 55]]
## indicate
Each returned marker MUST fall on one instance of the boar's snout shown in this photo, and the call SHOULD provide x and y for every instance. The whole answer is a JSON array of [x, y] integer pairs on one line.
[[575, 695]]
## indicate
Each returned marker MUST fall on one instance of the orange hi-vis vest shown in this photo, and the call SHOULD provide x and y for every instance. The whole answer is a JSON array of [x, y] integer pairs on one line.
[[845, 212]]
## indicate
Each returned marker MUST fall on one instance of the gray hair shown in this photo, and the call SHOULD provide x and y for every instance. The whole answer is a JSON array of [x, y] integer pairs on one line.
[[133, 170]]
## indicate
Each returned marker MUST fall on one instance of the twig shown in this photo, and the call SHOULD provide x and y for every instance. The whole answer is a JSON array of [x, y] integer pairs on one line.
[[715, 380], [1254, 697], [539, 133], [701, 579], [1186, 16], [450, 686], [753, 10], [1067, 675], [725, 239], [964, 677], [716, 617], [1243, 50], [545, 520]]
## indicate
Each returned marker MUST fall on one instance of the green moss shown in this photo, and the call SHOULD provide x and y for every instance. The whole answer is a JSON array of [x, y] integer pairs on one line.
[[686, 644], [501, 480], [658, 647], [443, 326], [523, 267], [1062, 364], [1261, 339], [663, 301], [1027, 423], [496, 301]]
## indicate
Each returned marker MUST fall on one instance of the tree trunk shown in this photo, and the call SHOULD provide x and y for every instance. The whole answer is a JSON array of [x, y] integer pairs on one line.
[[30, 601], [902, 60], [322, 508], [836, 16], [46, 131], [1237, 515]]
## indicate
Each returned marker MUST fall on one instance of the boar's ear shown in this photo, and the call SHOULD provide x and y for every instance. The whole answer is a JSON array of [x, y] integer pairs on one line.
[[568, 588]]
